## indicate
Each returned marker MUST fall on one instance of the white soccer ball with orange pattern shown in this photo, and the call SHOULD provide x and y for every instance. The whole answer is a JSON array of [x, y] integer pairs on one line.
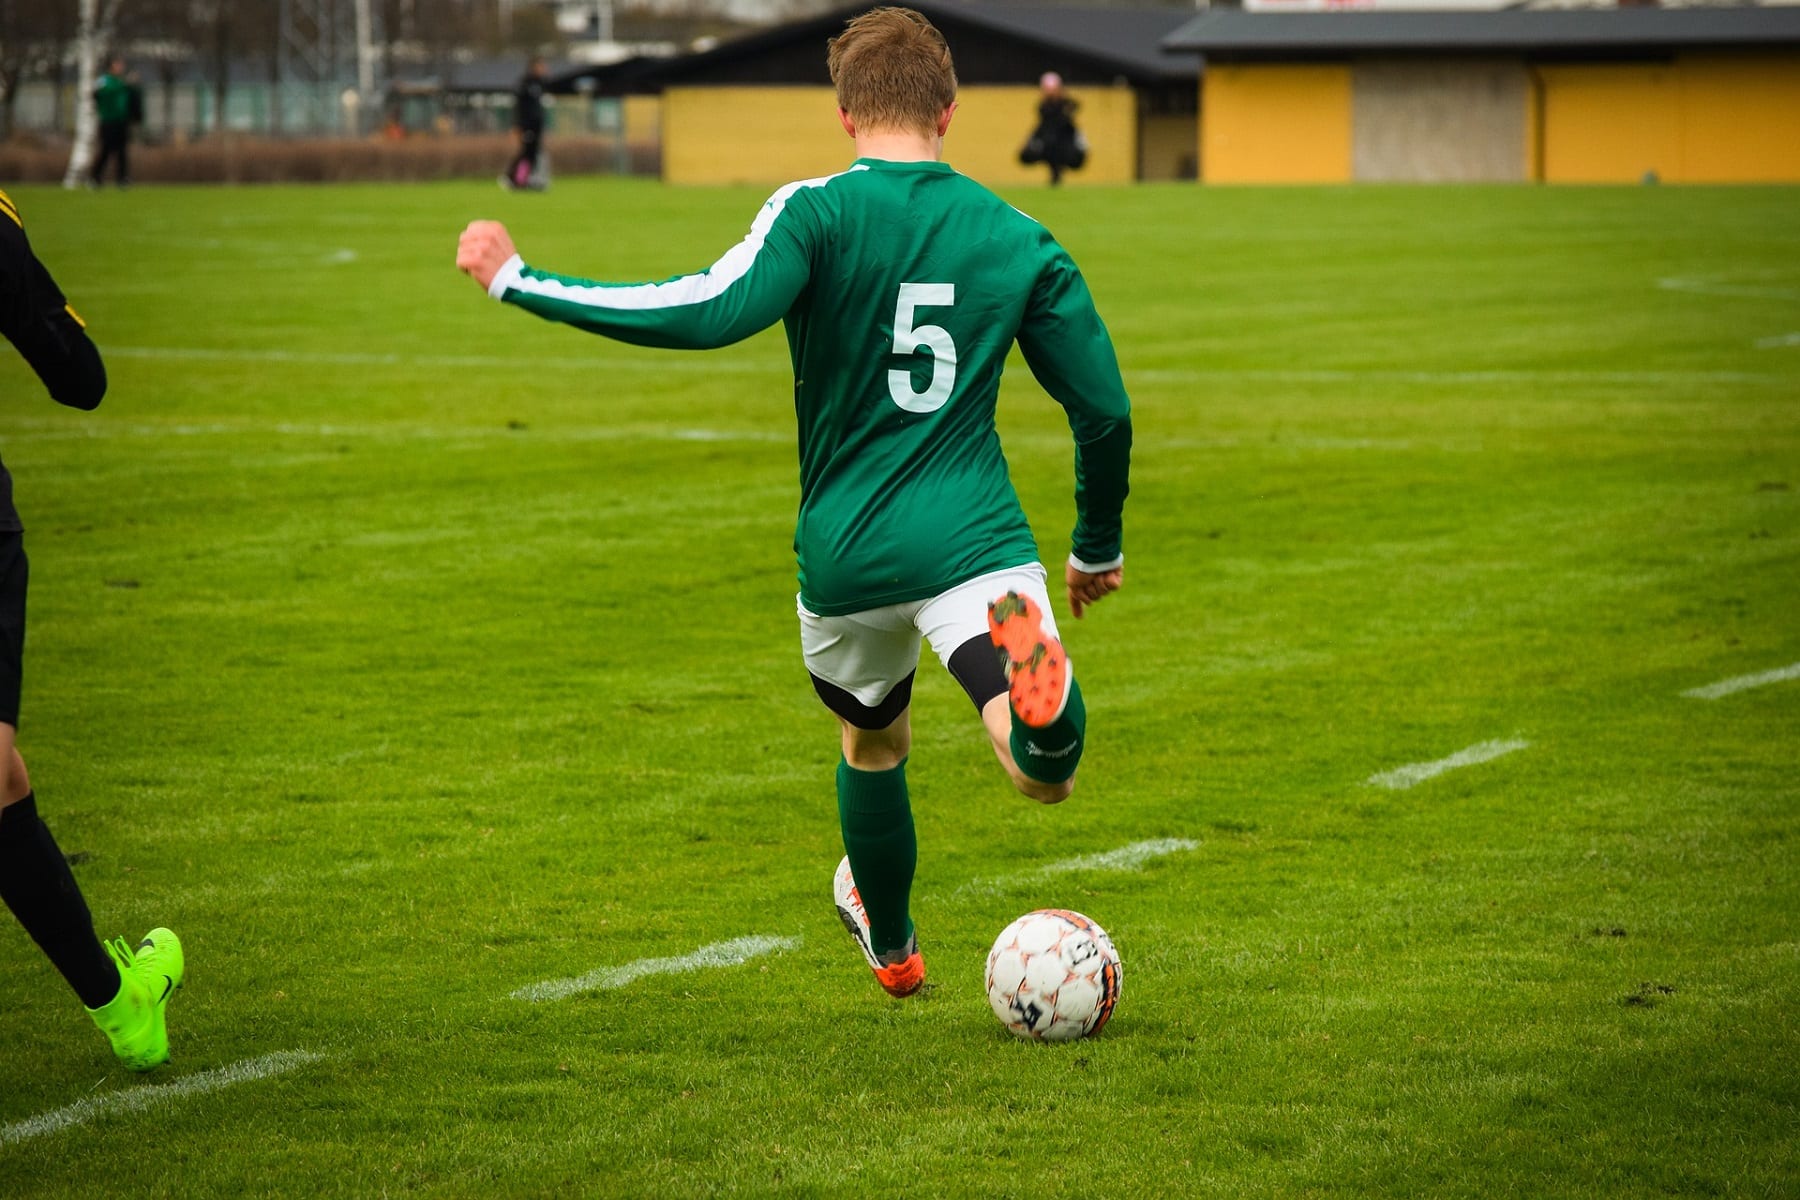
[[1053, 976]]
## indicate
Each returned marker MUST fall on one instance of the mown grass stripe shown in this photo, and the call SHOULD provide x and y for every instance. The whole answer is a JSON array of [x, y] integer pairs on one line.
[[742, 365], [151, 1095], [666, 365], [719, 954], [1741, 683], [1504, 377], [1125, 858], [104, 431], [1404, 777]]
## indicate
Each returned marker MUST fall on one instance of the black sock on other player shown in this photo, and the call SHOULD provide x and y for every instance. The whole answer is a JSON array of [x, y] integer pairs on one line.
[[36, 883]]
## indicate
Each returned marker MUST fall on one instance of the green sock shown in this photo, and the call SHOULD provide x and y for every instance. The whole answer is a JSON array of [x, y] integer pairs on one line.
[[878, 836], [1051, 754]]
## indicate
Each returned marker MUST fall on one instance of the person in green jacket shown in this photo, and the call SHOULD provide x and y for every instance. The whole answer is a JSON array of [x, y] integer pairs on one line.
[[113, 100]]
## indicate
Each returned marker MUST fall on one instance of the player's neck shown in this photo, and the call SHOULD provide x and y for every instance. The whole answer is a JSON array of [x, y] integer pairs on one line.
[[899, 147]]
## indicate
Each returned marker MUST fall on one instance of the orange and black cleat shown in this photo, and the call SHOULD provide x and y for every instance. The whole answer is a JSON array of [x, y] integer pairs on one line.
[[1037, 669], [901, 978], [906, 976]]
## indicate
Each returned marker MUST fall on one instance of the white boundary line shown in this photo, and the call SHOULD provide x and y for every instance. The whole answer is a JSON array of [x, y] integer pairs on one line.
[[1404, 777], [1781, 339], [719, 954], [1740, 683], [1703, 285], [1125, 858], [149, 1095]]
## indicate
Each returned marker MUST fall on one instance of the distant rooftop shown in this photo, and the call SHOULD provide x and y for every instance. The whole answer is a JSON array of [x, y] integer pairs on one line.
[[1095, 43], [1228, 35]]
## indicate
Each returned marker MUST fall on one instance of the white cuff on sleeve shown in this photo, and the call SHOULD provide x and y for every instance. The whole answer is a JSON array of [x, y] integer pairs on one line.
[[507, 276], [1111, 564]]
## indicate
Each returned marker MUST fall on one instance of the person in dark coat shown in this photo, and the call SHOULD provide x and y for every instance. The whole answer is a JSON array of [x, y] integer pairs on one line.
[[528, 122], [1055, 142], [119, 104]]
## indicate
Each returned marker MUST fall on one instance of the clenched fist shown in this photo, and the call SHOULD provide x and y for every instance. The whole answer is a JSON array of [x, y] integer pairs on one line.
[[483, 250], [1086, 589]]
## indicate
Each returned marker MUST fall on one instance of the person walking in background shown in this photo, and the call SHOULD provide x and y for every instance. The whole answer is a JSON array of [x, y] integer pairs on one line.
[[124, 989], [528, 124], [1055, 141], [117, 104]]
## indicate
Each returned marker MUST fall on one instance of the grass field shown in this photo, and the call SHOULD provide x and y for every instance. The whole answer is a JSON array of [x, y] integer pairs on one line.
[[402, 652]]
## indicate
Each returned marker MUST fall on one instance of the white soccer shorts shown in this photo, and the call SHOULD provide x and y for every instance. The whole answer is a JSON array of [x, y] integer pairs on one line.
[[870, 653]]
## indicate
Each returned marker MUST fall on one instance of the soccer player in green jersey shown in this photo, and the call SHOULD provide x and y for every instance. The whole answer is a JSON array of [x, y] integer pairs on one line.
[[124, 989], [902, 286]]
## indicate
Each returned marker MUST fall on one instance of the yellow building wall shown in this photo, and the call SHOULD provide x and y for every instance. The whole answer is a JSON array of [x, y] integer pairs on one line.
[[1699, 119], [643, 119], [1610, 123], [1740, 119], [771, 135], [751, 135], [1275, 124]]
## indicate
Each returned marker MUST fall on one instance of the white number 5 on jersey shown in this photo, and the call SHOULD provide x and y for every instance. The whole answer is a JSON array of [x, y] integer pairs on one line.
[[935, 338]]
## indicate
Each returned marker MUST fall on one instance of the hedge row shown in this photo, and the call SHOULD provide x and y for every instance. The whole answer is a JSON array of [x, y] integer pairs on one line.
[[237, 159]]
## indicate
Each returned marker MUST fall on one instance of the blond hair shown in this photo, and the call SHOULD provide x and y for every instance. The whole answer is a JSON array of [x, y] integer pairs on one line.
[[892, 71]]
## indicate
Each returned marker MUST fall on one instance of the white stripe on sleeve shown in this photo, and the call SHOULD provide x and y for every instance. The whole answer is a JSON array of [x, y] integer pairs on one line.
[[687, 289]]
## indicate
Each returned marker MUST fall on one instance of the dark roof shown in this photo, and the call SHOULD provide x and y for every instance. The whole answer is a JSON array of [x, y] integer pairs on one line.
[[992, 43], [1232, 34], [614, 79], [1131, 37]]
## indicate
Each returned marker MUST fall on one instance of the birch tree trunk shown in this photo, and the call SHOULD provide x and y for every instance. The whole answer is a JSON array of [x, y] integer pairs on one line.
[[95, 30]]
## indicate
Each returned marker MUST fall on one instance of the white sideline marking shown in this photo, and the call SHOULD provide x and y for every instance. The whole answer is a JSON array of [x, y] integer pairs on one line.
[[1125, 858], [1411, 773], [719, 954], [1715, 286], [150, 1095], [1739, 683], [1783, 339]]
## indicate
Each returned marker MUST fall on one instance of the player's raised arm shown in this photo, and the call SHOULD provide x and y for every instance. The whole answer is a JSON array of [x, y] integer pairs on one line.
[[750, 288], [37, 319], [1068, 349]]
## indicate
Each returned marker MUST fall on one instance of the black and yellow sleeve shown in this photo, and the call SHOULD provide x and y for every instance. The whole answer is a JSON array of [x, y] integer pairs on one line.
[[38, 320]]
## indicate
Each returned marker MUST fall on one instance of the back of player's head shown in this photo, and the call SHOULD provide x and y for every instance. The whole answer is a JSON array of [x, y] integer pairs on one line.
[[892, 71]]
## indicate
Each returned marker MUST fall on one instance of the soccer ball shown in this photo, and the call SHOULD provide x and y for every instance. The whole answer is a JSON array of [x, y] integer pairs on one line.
[[1053, 976]]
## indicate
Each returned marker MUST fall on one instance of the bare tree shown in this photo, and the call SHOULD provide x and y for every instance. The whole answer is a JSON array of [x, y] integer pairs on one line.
[[32, 36], [95, 30]]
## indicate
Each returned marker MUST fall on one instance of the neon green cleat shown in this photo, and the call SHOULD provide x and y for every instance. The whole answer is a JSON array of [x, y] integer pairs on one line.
[[134, 1019]]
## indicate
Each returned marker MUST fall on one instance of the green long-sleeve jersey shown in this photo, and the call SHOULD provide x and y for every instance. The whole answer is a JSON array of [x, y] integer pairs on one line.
[[112, 99], [903, 286]]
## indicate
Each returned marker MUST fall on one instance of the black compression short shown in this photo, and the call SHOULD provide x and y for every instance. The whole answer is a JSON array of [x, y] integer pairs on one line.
[[974, 665]]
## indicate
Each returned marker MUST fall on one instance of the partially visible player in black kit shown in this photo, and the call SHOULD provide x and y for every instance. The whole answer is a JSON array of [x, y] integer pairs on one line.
[[125, 989], [528, 122]]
